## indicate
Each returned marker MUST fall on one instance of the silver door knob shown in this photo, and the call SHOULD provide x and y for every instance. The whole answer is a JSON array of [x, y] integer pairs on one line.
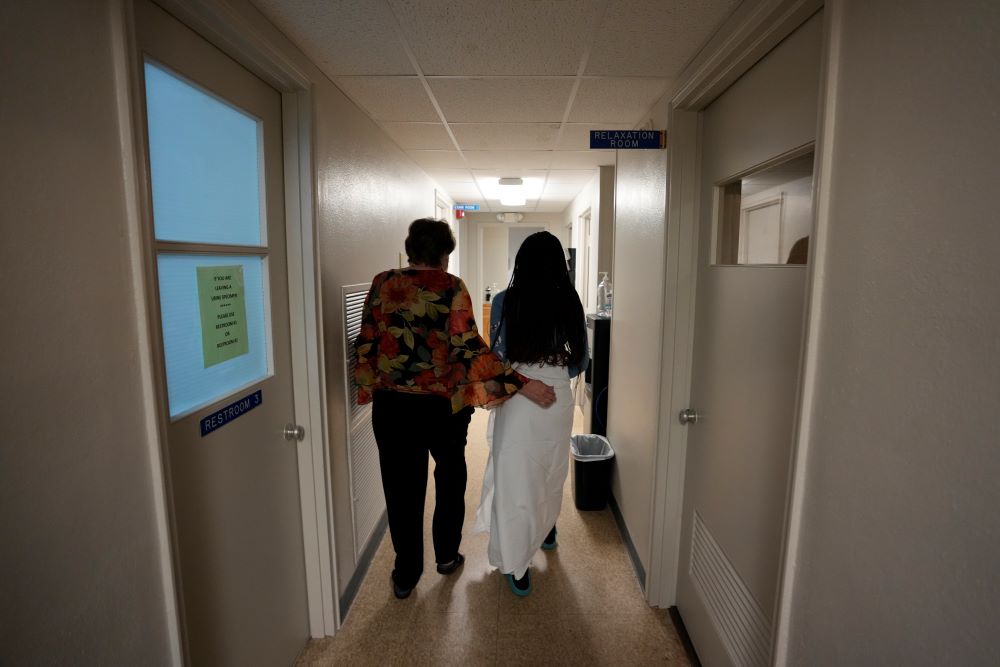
[[294, 432], [688, 416]]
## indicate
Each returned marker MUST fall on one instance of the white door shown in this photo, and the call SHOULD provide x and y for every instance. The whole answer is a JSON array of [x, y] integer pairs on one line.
[[214, 152], [442, 211], [756, 141]]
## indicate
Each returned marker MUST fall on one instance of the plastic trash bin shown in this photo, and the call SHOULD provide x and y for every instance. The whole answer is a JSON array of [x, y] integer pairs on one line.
[[593, 457]]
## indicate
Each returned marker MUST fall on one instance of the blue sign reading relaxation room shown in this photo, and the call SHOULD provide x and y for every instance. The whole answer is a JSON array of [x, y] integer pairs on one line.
[[234, 410], [625, 139]]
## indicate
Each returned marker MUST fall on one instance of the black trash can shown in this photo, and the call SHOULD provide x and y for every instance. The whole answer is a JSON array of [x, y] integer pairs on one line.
[[592, 461]]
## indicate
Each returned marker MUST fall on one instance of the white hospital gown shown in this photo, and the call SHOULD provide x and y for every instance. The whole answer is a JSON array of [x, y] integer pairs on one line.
[[526, 471]]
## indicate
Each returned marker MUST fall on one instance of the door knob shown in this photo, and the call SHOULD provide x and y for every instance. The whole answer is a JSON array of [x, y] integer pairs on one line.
[[294, 432], [688, 416]]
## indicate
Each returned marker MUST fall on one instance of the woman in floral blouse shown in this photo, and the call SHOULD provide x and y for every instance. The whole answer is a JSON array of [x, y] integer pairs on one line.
[[424, 366]]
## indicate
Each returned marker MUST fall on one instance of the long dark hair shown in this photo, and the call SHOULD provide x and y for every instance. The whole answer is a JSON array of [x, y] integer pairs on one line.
[[542, 314]]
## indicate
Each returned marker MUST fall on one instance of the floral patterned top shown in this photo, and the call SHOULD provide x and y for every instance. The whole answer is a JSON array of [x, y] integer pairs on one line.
[[418, 335]]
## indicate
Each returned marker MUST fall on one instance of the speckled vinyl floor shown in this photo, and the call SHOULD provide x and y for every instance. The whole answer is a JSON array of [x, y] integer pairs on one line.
[[585, 607]]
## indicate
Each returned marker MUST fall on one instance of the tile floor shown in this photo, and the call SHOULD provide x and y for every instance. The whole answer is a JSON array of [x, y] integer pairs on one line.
[[585, 607]]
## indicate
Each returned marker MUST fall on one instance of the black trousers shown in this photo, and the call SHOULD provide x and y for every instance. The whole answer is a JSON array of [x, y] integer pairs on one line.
[[408, 427]]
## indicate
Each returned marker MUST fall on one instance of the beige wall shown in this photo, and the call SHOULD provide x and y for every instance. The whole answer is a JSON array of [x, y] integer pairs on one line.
[[81, 557], [634, 380], [606, 222], [897, 562], [495, 252]]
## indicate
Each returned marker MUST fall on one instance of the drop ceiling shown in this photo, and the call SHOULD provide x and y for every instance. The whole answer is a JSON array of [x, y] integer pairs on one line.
[[476, 90]]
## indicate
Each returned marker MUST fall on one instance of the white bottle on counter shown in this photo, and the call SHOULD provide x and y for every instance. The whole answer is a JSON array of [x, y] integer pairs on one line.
[[608, 295], [604, 295]]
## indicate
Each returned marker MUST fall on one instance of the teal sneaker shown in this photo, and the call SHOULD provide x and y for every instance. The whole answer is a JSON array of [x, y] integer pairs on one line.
[[520, 587]]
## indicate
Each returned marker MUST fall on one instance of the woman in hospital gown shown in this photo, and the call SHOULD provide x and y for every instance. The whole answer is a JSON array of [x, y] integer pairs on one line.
[[538, 325]]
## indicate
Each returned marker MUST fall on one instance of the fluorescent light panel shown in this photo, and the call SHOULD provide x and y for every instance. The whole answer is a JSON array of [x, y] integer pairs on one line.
[[508, 195]]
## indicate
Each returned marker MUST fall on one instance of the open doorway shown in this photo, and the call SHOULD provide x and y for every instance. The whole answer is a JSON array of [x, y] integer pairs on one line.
[[498, 246]]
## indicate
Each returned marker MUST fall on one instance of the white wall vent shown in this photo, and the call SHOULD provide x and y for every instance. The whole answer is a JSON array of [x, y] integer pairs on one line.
[[368, 502], [738, 619]]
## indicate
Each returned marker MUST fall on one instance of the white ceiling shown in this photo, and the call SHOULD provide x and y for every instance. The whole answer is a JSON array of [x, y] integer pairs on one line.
[[475, 90]]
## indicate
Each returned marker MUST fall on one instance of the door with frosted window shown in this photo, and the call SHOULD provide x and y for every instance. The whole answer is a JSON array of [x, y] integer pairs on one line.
[[214, 152]]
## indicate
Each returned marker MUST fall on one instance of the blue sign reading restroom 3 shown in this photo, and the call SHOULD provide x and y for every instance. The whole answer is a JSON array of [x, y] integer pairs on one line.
[[626, 139], [234, 410]]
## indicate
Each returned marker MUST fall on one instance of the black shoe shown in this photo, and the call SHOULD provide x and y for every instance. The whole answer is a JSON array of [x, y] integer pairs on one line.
[[448, 568], [550, 542], [399, 591], [519, 587]]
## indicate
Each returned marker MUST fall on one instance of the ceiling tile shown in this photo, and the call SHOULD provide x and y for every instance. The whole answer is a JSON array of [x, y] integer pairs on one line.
[[547, 206], [655, 37], [501, 136], [390, 98], [419, 136], [558, 190], [572, 177], [510, 171], [510, 100], [464, 190], [508, 159], [581, 159], [451, 175], [341, 36], [483, 37], [438, 159], [622, 101], [502, 73], [576, 136]]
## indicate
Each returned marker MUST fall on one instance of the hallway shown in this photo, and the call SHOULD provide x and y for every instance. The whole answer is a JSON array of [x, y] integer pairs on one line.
[[585, 607], [170, 497]]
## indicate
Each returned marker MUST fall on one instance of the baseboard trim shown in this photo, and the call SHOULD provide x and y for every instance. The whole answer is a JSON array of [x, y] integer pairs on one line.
[[633, 555], [347, 599], [675, 617]]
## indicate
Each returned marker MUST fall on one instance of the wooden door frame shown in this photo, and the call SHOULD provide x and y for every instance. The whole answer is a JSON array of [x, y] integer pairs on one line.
[[752, 31], [234, 34]]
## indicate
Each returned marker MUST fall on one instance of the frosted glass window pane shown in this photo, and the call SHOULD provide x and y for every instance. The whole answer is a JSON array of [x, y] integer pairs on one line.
[[194, 379], [205, 163]]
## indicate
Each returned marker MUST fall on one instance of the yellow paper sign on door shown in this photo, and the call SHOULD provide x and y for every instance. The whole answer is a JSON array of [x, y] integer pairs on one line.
[[222, 300]]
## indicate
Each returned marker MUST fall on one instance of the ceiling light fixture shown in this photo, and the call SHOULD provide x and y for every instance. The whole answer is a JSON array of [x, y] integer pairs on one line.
[[512, 192]]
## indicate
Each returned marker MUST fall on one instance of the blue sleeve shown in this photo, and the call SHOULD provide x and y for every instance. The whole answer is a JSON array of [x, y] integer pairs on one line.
[[576, 369], [497, 341]]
